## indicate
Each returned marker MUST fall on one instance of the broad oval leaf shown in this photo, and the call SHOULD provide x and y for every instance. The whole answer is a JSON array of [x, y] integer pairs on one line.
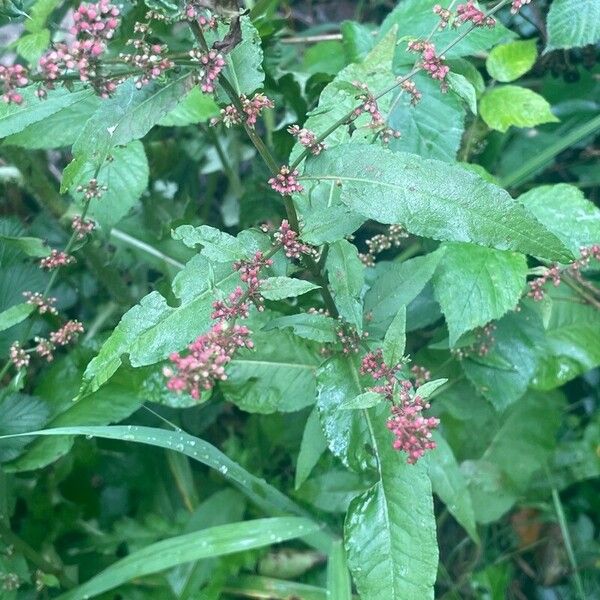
[[432, 199]]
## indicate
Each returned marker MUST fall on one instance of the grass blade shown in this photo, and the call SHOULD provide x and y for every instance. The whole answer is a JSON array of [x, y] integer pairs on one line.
[[338, 577], [215, 541]]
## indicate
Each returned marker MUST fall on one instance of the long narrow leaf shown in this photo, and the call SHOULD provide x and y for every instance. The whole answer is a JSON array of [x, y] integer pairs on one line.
[[338, 577], [265, 496], [215, 541]]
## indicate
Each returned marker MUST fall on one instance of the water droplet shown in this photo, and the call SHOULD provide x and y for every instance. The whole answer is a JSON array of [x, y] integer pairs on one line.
[[223, 469], [192, 442], [179, 447], [89, 436]]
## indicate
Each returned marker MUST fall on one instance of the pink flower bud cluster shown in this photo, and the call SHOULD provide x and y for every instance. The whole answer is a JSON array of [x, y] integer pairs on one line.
[[67, 333], [554, 273], [207, 358], [93, 24], [43, 305], [372, 364], [44, 348], [234, 308], [431, 62], [212, 64], [92, 189], [349, 338], [469, 13], [18, 356], [286, 182], [149, 58], [249, 271], [412, 432], [410, 88], [204, 20], [252, 108], [381, 242], [444, 14], [82, 227], [288, 239], [307, 138], [56, 259], [517, 5], [11, 78], [369, 105], [420, 374]]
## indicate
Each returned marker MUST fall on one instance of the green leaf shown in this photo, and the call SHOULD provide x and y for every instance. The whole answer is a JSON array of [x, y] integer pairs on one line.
[[416, 19], [58, 130], [434, 127], [311, 448], [32, 45], [338, 578], [123, 118], [195, 107], [357, 40], [316, 327], [450, 485], [516, 341], [389, 531], [508, 62], [432, 199], [324, 57], [346, 280], [152, 329], [476, 285], [27, 245], [396, 285], [346, 431], [464, 89], [429, 387], [572, 344], [364, 400], [39, 13], [214, 541], [564, 210], [217, 245], [279, 374], [509, 105], [244, 63], [276, 588], [16, 117], [573, 23], [521, 445], [19, 413], [126, 178], [394, 342], [15, 314], [278, 288]]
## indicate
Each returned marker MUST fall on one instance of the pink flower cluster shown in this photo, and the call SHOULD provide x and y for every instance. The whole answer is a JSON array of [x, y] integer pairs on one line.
[[67, 333], [381, 242], [252, 108], [11, 78], [481, 346], [517, 5], [410, 88], [349, 338], [288, 239], [286, 182], [468, 12], [82, 227], [93, 24], [56, 259], [43, 305], [207, 357], [307, 138], [249, 271], [431, 62], [372, 364], [554, 273], [92, 189], [212, 64], [444, 14], [205, 21], [412, 431], [420, 374], [149, 58], [369, 105], [18, 356]]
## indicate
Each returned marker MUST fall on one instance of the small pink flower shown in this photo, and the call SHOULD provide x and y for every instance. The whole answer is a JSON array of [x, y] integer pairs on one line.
[[470, 13], [67, 333], [252, 108], [307, 138], [44, 348], [286, 182], [517, 5], [11, 78], [432, 63], [288, 239], [410, 88], [18, 356], [212, 64], [57, 259], [44, 305], [82, 227]]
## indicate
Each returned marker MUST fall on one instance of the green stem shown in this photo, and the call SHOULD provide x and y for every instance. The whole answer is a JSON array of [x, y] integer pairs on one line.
[[12, 539], [538, 160], [564, 530]]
